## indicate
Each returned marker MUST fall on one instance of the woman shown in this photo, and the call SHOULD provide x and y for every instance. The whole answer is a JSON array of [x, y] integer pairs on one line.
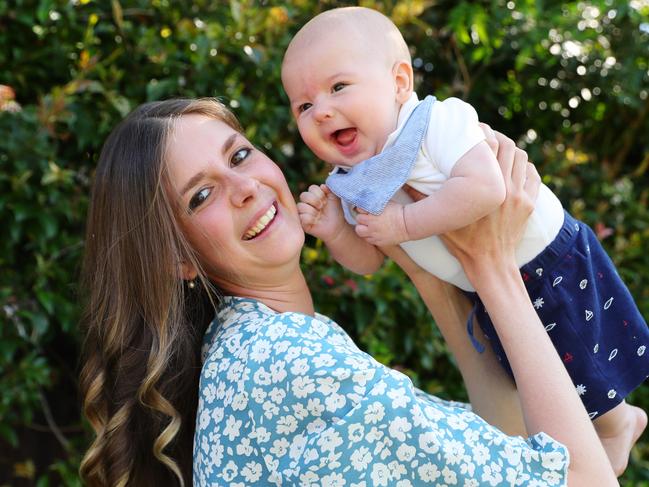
[[183, 205]]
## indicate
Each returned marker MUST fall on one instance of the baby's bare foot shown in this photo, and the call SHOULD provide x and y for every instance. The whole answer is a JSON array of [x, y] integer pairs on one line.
[[618, 430]]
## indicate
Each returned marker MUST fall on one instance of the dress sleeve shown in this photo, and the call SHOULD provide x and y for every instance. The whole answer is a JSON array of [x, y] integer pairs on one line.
[[452, 131], [306, 407]]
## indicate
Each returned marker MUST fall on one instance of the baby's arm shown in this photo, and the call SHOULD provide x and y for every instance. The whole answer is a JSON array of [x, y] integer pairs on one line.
[[474, 189], [321, 216]]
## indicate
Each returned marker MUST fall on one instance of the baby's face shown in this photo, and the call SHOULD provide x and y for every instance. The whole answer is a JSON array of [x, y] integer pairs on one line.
[[343, 96]]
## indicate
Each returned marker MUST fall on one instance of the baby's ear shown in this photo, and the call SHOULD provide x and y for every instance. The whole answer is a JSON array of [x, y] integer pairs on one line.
[[404, 80]]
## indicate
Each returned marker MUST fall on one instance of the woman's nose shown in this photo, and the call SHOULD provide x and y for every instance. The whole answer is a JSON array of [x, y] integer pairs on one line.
[[243, 188]]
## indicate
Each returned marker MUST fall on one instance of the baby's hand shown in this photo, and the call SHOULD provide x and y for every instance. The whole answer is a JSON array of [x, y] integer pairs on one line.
[[388, 228], [320, 212]]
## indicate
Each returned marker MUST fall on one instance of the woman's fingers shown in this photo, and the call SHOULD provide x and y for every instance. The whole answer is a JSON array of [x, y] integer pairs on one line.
[[532, 182], [490, 137], [519, 168], [506, 154]]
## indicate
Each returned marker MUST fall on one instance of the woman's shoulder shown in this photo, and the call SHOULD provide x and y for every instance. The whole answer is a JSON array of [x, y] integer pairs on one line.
[[244, 328]]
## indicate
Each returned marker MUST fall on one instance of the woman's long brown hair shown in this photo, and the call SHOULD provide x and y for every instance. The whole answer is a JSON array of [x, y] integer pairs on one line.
[[143, 325]]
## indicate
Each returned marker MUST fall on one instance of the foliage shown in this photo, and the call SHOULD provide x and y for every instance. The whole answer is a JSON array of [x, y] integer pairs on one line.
[[568, 80]]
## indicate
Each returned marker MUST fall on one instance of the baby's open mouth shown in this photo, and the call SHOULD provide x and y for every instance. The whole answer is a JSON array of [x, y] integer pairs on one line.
[[261, 224], [345, 137]]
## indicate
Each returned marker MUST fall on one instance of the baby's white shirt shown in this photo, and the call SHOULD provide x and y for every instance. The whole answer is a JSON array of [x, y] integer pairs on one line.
[[452, 131]]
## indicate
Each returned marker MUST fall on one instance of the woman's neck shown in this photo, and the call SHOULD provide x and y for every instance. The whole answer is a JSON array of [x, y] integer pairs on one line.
[[289, 294]]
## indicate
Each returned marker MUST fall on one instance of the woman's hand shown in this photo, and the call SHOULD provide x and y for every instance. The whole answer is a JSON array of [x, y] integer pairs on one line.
[[492, 240]]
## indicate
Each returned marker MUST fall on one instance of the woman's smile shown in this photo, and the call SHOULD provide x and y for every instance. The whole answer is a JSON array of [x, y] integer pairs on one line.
[[261, 224]]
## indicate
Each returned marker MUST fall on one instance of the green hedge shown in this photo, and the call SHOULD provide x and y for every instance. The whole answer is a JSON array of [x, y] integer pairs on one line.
[[568, 80]]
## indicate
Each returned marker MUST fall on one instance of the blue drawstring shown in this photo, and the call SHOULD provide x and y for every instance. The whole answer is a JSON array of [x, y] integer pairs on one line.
[[469, 328]]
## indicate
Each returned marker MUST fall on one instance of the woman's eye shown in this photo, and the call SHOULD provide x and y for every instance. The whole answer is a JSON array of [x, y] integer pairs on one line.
[[338, 87], [303, 107], [240, 155], [199, 198]]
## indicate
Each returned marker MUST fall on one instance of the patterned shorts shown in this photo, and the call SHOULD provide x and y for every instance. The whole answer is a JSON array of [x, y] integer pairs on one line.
[[588, 313]]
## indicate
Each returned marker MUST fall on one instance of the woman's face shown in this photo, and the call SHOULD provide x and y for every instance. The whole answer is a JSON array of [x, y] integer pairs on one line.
[[236, 208]]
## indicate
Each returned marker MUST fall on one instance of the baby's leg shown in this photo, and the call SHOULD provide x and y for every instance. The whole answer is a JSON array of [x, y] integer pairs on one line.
[[619, 429]]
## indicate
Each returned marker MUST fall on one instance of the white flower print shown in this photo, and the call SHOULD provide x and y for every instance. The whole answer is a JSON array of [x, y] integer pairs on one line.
[[334, 480], [270, 409], [397, 470], [374, 413], [428, 442], [232, 426], [230, 471], [315, 426], [538, 303], [280, 447], [308, 479], [251, 472], [429, 472], [278, 371], [404, 483], [380, 474], [300, 366], [581, 389], [260, 351], [286, 425], [399, 398], [329, 440], [204, 418], [261, 434], [405, 453], [209, 393], [323, 360], [315, 407], [453, 451], [355, 432], [399, 427], [361, 458], [335, 402], [449, 475], [261, 377], [277, 395], [240, 401], [552, 478], [302, 386], [216, 453], [491, 475], [244, 448], [327, 385]]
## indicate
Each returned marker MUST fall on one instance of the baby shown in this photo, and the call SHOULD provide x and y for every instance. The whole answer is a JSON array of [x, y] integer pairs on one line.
[[349, 79]]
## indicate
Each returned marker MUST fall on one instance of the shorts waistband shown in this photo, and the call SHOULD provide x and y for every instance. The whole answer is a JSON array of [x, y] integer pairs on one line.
[[551, 256]]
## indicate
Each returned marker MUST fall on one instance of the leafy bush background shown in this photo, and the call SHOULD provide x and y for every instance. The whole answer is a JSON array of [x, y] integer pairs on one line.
[[568, 80]]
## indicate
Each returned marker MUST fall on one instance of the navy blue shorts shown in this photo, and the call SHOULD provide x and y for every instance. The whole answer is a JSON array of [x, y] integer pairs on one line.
[[588, 313]]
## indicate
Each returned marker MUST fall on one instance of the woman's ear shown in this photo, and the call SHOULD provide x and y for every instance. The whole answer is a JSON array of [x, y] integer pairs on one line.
[[188, 271], [404, 80]]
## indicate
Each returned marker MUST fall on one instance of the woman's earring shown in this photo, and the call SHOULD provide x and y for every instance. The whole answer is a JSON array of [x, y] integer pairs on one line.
[[191, 284]]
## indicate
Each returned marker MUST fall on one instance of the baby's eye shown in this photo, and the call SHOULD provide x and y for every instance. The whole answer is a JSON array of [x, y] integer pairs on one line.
[[239, 156], [338, 87], [303, 107], [199, 198]]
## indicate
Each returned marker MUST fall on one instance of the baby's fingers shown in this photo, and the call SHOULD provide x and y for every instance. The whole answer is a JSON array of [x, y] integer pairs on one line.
[[314, 197]]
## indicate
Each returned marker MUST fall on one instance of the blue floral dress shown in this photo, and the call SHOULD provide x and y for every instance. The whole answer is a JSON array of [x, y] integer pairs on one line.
[[289, 399]]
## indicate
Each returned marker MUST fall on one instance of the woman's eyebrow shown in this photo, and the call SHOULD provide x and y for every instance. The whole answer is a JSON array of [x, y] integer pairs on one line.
[[227, 145]]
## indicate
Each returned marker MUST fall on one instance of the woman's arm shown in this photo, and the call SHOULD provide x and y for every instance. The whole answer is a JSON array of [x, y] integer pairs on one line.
[[492, 393], [548, 398]]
